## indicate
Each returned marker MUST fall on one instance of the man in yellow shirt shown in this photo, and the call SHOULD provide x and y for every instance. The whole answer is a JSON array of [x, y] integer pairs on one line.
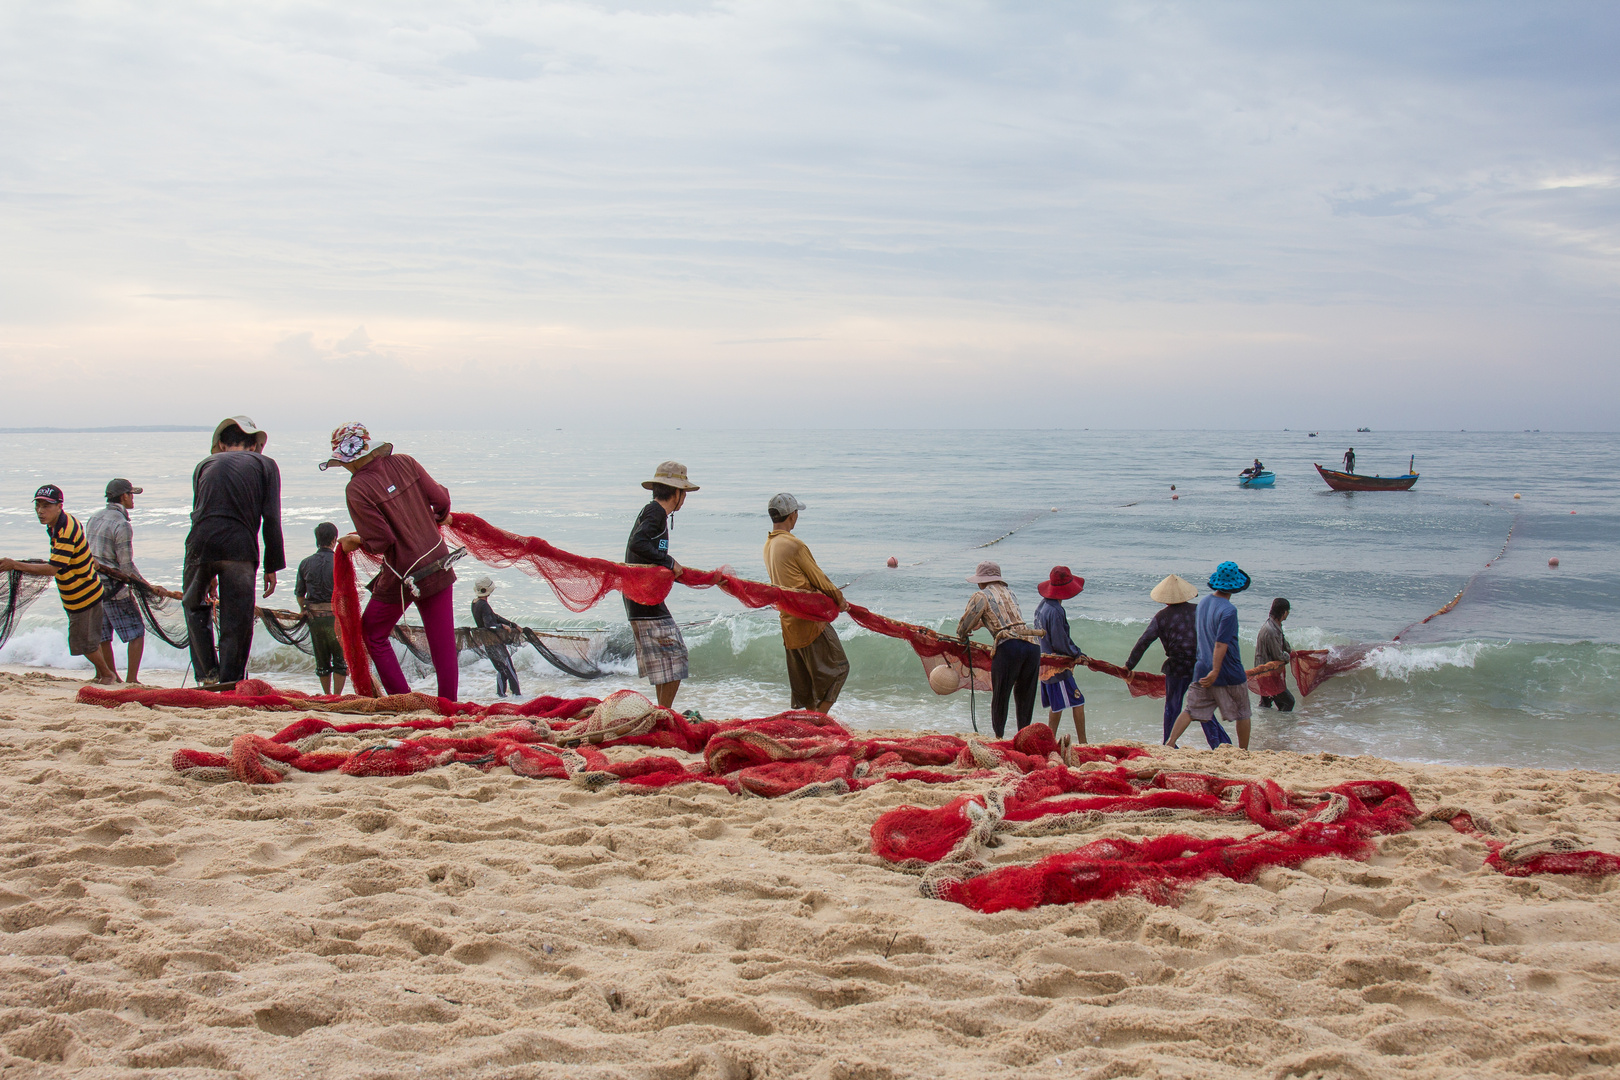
[[817, 666]]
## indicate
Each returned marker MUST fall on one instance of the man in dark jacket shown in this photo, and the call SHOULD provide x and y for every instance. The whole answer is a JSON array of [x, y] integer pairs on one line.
[[236, 495], [660, 650], [485, 617], [314, 593], [1175, 627]]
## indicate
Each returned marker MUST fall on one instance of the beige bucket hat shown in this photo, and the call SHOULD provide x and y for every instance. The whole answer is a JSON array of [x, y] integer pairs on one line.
[[248, 428], [671, 474], [986, 573], [1173, 590], [483, 587]]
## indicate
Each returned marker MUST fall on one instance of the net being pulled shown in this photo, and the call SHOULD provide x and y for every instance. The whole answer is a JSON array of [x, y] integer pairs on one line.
[[21, 590]]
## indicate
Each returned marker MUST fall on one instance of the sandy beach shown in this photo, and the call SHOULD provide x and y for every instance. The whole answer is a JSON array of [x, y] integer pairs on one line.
[[457, 923]]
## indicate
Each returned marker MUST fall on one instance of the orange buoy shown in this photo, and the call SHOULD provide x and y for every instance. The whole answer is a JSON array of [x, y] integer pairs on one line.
[[893, 562], [1175, 496], [1553, 561], [1516, 495]]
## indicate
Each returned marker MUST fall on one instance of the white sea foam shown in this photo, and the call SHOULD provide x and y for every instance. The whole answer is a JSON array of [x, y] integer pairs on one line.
[[1402, 662]]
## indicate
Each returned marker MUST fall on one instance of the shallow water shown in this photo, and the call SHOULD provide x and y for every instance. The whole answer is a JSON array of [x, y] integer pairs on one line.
[[1522, 672]]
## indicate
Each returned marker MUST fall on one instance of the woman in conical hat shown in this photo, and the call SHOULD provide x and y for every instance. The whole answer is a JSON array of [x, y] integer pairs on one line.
[[1175, 627]]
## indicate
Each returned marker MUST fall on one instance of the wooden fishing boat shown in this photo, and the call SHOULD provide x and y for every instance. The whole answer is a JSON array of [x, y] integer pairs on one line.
[[1344, 481], [1263, 478]]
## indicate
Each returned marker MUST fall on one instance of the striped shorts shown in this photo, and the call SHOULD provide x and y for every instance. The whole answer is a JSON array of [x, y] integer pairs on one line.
[[660, 650]]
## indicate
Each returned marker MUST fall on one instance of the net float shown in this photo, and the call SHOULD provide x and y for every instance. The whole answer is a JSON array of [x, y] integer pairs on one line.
[[1553, 561], [944, 680], [893, 562], [1516, 495]]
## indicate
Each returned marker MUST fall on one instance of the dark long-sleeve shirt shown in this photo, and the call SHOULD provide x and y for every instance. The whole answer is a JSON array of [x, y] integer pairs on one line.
[[314, 584], [649, 546], [235, 495], [485, 618], [396, 508], [1051, 617], [1175, 627]]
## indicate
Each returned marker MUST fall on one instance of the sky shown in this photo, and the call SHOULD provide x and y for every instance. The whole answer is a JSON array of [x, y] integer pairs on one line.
[[817, 215]]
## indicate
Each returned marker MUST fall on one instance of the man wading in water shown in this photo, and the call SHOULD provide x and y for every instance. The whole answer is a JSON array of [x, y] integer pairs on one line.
[[816, 664]]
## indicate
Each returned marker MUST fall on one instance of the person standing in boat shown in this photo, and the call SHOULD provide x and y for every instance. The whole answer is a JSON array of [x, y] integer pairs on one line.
[[1015, 668], [1175, 628], [486, 618], [397, 509], [1350, 460], [1270, 646], [661, 656]]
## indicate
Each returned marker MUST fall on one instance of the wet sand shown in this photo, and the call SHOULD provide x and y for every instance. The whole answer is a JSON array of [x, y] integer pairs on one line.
[[457, 923]]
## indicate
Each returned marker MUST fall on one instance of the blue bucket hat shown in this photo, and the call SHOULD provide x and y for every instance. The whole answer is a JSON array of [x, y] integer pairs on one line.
[[1228, 578]]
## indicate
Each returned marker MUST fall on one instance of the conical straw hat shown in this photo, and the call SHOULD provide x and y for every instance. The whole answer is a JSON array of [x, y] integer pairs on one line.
[[1173, 590]]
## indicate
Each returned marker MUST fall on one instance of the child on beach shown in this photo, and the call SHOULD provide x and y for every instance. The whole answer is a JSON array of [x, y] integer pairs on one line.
[[1060, 692], [313, 591]]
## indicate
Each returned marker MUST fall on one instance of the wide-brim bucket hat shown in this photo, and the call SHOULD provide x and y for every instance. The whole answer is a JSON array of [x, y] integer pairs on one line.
[[483, 587], [1174, 589], [1229, 577], [986, 573], [671, 474], [351, 443], [1060, 584], [248, 427]]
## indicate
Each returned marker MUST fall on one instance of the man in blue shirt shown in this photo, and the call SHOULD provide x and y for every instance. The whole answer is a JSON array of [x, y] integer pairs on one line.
[[1219, 681]]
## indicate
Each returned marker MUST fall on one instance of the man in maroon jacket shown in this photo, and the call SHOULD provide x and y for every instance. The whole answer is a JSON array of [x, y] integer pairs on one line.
[[397, 508]]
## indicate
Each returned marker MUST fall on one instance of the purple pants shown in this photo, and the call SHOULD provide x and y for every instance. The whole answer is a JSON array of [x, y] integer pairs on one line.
[[438, 619]]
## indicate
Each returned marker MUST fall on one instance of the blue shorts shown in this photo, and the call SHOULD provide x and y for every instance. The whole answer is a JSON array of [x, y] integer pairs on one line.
[[1061, 693]]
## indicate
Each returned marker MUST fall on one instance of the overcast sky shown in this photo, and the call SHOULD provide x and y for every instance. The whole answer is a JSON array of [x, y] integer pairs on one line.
[[817, 214]]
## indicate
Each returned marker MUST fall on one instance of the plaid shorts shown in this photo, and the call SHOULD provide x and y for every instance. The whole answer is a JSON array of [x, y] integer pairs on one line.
[[122, 615], [660, 650]]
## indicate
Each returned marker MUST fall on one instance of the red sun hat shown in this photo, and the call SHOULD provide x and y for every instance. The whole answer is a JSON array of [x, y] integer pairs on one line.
[[1061, 585]]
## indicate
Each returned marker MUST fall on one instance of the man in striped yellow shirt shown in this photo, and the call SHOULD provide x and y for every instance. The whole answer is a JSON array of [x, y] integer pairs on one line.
[[76, 579]]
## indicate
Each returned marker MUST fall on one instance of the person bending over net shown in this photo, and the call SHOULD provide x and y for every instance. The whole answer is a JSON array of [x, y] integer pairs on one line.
[[75, 573], [397, 509], [314, 593], [485, 618], [236, 495], [1015, 669]]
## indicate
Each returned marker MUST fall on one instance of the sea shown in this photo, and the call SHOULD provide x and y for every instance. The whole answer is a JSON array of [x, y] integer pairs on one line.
[[1523, 672]]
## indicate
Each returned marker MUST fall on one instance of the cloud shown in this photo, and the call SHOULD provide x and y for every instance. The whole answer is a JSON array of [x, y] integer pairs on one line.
[[579, 187]]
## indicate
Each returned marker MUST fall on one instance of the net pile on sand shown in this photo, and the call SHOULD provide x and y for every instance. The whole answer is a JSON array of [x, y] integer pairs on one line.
[[1038, 787], [773, 756], [942, 844]]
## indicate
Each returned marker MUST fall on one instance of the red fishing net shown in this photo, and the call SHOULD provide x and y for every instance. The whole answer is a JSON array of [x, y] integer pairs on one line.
[[346, 608], [578, 581]]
